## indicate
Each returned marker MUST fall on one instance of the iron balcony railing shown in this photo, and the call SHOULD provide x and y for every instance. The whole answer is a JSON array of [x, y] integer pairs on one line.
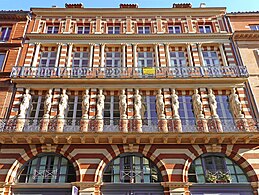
[[148, 125], [129, 72]]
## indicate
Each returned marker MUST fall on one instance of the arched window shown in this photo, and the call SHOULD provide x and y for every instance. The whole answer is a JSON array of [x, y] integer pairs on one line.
[[215, 168], [47, 168], [131, 168]]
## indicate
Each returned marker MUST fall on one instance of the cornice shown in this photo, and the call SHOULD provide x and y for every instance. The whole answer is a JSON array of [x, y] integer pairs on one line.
[[245, 35]]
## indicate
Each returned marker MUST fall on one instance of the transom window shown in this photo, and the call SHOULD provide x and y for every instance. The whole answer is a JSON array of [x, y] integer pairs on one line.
[[215, 164], [254, 27], [143, 29], [80, 59], [48, 59], [148, 110], [111, 110], [174, 29], [210, 58], [113, 59], [52, 29], [5, 33], [2, 59], [178, 58], [83, 29], [186, 113], [131, 168], [47, 168], [145, 59], [113, 29], [205, 29]]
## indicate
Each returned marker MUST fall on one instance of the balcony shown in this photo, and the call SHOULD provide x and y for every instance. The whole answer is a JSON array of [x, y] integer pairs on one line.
[[129, 72]]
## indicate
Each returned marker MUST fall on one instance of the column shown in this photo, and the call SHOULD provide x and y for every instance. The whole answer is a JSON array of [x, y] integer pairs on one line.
[[123, 54], [167, 51], [36, 54], [200, 54], [58, 53], [156, 54], [223, 56], [69, 55], [91, 54], [135, 55], [189, 53], [102, 54]]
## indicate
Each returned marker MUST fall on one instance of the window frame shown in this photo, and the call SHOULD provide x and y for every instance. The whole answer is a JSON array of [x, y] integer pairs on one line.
[[173, 30], [178, 59], [54, 29], [203, 29], [254, 27], [48, 58], [6, 35], [81, 58], [113, 59], [145, 59], [85, 29], [110, 104], [113, 29], [211, 59], [2, 64], [144, 29]]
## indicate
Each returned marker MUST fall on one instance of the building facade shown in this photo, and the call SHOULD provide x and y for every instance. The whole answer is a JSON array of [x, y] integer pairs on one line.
[[129, 101]]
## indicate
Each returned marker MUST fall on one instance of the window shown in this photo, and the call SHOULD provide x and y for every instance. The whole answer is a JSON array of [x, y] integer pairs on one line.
[[174, 29], [111, 111], [2, 59], [210, 58], [145, 59], [254, 27], [83, 29], [5, 33], [113, 29], [215, 163], [52, 29], [177, 58], [113, 59], [205, 29], [48, 59], [47, 168], [143, 29], [149, 114], [131, 168], [80, 59], [36, 109], [186, 113]]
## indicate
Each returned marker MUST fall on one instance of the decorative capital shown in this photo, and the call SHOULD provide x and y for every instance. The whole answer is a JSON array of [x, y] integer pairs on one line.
[[70, 44], [59, 44], [92, 44], [37, 43]]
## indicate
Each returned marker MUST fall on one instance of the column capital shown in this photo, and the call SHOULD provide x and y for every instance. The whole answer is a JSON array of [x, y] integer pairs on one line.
[[188, 44], [167, 44], [135, 44], [37, 43], [70, 44], [199, 44], [59, 44], [92, 44], [124, 44], [103, 44]]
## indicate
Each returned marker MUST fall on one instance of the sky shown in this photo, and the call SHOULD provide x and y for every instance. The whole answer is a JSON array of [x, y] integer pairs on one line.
[[232, 5]]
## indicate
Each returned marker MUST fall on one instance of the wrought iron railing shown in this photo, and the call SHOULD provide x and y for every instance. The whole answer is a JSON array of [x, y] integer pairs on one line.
[[148, 125], [129, 72]]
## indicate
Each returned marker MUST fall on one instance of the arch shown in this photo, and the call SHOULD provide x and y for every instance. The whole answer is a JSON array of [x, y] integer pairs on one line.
[[32, 153]]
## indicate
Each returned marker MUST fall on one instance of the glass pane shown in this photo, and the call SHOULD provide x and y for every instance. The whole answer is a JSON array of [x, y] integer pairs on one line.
[[242, 178]]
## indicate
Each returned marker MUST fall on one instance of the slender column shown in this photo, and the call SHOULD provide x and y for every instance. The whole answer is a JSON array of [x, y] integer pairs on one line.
[[69, 55], [135, 63], [102, 54], [36, 54], [156, 54], [167, 54], [58, 53], [200, 54], [91, 54], [189, 53], [123, 54], [223, 56]]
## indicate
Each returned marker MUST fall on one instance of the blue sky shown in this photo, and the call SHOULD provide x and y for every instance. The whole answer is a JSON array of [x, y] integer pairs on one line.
[[232, 5]]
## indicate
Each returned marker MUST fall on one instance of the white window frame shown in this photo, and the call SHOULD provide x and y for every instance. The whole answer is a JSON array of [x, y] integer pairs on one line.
[[3, 62], [8, 28], [210, 58], [173, 31], [112, 102], [48, 58], [113, 59], [85, 29], [53, 27], [145, 59], [144, 30], [38, 103], [151, 121], [177, 58], [81, 58], [113, 30], [254, 27], [204, 29]]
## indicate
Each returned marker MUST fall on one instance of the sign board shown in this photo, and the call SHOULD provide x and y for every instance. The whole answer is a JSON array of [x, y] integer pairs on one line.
[[149, 70], [74, 190]]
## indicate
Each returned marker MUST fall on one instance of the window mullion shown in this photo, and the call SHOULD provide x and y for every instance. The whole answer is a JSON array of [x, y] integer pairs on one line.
[[111, 109]]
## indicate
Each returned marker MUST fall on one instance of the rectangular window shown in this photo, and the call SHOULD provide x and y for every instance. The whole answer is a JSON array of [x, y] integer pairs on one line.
[[36, 109], [186, 113], [143, 29], [48, 59], [210, 58], [113, 29], [52, 29], [149, 114], [178, 58], [145, 59], [2, 59], [174, 29], [111, 111], [254, 27], [5, 33], [80, 59], [113, 59], [83, 29], [205, 29]]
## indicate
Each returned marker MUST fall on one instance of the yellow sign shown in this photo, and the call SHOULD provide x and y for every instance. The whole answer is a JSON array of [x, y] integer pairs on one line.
[[149, 70]]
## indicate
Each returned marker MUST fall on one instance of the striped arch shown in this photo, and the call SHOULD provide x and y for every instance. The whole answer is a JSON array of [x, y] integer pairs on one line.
[[230, 153], [33, 152], [120, 149]]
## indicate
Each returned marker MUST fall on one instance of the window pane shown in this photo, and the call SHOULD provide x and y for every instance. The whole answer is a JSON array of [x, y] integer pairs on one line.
[[2, 57]]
